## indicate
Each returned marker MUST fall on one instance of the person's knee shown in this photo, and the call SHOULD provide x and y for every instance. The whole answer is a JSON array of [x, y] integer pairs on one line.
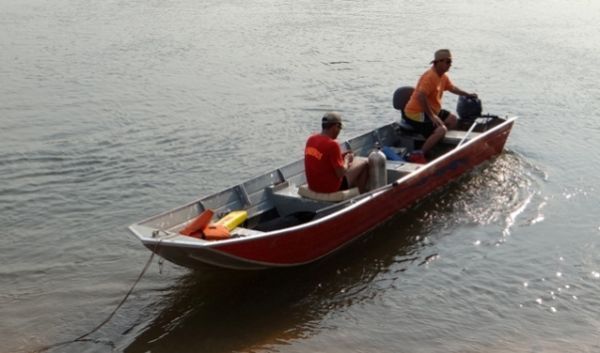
[[440, 131], [451, 121]]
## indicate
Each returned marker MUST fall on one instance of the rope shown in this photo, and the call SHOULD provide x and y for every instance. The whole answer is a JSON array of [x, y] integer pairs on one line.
[[83, 338]]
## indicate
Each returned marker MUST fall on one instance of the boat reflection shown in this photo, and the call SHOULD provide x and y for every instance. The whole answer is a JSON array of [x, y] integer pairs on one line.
[[227, 311]]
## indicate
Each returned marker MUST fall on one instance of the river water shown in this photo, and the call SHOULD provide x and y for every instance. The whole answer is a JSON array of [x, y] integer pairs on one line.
[[116, 110]]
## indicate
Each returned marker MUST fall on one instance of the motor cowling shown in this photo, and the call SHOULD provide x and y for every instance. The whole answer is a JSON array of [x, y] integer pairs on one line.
[[468, 108]]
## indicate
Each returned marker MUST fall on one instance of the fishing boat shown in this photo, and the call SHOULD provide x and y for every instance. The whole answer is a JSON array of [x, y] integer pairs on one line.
[[274, 220]]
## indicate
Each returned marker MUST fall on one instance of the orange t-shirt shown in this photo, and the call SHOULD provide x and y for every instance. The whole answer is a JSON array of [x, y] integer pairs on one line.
[[433, 86], [321, 156]]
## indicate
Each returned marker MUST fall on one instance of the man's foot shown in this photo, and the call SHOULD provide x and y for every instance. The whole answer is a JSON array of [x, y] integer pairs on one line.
[[417, 157]]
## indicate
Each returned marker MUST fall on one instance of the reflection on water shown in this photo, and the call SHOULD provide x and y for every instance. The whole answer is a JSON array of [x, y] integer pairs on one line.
[[499, 193]]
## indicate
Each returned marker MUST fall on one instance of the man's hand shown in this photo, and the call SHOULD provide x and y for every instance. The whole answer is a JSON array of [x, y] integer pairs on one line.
[[348, 157]]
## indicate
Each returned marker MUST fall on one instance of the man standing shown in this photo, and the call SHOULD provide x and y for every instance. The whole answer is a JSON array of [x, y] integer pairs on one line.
[[327, 168], [424, 109]]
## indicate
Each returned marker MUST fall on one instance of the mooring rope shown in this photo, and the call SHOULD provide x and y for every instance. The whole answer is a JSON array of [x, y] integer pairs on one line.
[[83, 338]]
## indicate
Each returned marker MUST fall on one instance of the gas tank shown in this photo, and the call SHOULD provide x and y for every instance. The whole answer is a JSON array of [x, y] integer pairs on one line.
[[377, 171]]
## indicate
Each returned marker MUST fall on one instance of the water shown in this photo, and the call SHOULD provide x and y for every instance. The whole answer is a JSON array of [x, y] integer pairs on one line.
[[114, 111]]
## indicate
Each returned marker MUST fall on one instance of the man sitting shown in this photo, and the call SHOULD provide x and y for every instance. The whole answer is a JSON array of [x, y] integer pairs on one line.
[[424, 108], [327, 168]]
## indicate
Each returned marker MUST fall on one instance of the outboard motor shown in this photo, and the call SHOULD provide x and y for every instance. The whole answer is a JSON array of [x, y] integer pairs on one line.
[[468, 108], [377, 171]]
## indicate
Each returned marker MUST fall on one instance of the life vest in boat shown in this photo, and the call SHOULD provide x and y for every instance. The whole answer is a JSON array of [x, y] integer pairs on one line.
[[195, 228], [216, 231], [223, 227]]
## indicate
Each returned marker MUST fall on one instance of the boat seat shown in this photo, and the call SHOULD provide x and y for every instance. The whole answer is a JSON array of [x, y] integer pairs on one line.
[[455, 136], [337, 196], [287, 200], [401, 97], [452, 137], [399, 100], [405, 126]]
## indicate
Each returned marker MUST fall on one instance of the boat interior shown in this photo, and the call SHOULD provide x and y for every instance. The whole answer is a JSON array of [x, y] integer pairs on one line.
[[276, 200]]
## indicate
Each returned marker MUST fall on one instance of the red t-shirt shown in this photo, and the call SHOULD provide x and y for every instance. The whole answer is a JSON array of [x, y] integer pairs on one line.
[[322, 156]]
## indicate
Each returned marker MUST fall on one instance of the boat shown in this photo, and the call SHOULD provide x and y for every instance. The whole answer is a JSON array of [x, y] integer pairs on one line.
[[275, 221]]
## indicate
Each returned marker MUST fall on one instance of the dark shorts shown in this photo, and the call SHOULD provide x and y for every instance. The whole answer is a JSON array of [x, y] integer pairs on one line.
[[344, 185], [426, 128]]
